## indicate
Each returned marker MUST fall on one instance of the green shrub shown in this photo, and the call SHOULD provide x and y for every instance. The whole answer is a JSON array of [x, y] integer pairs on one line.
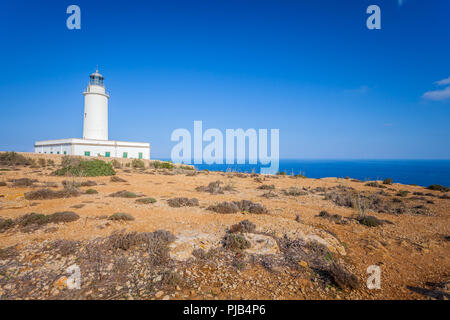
[[43, 194], [117, 179], [87, 168], [91, 191], [116, 164], [387, 181], [267, 187], [6, 224], [42, 162], [13, 159], [123, 194], [65, 216], [236, 242], [371, 221], [146, 200], [163, 165], [402, 193], [138, 164], [119, 216], [438, 187]]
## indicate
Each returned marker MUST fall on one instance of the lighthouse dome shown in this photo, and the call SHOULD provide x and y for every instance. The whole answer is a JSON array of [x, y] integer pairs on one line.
[[96, 79]]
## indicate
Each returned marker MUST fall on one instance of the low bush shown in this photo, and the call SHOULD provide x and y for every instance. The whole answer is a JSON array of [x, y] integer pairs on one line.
[[182, 202], [155, 243], [117, 179], [65, 216], [336, 218], [402, 193], [91, 191], [119, 216], [242, 227], [5, 224], [38, 219], [23, 182], [438, 187], [123, 194], [138, 164], [44, 194], [162, 165], [387, 181], [13, 159], [146, 200], [213, 188], [373, 184], [342, 277], [88, 183], [9, 252], [86, 168], [238, 206], [267, 187], [371, 221], [116, 164], [65, 247], [235, 242], [294, 191]]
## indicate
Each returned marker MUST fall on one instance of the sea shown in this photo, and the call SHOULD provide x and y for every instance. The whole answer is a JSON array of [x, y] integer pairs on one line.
[[418, 172]]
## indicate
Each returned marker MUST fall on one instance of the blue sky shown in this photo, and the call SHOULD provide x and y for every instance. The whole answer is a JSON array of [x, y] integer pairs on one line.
[[309, 68]]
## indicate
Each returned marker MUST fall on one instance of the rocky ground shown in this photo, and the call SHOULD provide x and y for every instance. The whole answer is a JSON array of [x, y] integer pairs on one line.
[[182, 234]]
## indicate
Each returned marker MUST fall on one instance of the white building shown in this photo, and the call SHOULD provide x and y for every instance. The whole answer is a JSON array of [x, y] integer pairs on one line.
[[95, 131]]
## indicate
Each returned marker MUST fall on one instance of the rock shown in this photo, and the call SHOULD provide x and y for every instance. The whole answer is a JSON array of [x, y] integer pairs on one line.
[[61, 283], [159, 294], [303, 264], [261, 244], [182, 247]]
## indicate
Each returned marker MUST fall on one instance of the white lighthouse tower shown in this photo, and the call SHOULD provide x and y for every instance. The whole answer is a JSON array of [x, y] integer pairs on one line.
[[95, 125], [95, 130]]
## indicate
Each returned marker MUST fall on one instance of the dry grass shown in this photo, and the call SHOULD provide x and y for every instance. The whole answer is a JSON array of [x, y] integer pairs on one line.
[[182, 202]]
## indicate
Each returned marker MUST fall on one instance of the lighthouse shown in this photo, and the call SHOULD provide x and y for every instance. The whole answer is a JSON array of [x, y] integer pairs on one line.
[[95, 123], [95, 130]]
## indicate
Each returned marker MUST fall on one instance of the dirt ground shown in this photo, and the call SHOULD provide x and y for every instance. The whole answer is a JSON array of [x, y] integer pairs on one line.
[[412, 250]]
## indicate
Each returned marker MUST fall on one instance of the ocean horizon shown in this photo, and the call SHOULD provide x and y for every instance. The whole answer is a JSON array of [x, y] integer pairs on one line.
[[419, 172]]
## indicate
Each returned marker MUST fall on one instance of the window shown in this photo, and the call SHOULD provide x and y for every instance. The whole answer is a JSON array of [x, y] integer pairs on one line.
[[57, 152], [107, 154], [140, 155], [51, 152], [65, 152], [125, 154], [87, 153]]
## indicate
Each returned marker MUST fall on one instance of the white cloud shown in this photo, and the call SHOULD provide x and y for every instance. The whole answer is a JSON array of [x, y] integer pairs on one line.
[[437, 95], [443, 82]]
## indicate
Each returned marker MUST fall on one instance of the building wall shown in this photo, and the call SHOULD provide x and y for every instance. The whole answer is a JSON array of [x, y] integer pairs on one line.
[[55, 149], [94, 150]]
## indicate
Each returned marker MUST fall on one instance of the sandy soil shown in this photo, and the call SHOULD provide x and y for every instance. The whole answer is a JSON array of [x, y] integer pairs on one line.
[[412, 252]]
